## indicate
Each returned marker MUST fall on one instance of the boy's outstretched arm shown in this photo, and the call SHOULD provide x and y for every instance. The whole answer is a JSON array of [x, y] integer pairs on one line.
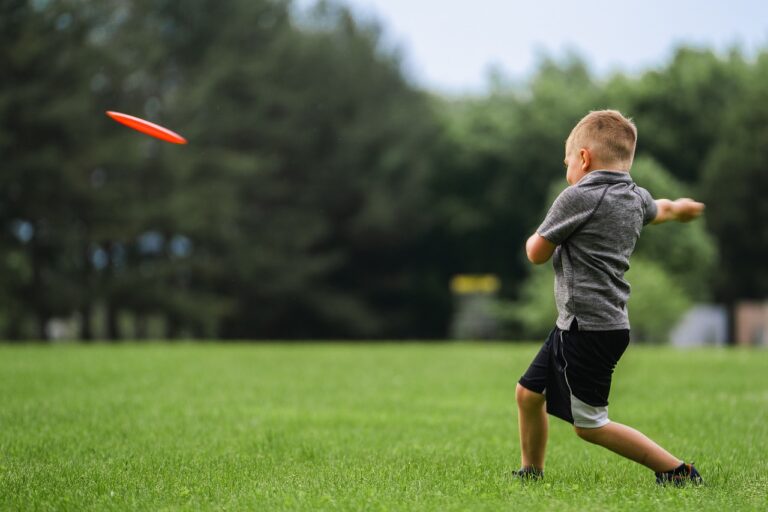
[[539, 249], [682, 210]]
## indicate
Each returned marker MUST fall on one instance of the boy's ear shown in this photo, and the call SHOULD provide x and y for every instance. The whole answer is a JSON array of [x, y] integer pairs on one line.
[[586, 159]]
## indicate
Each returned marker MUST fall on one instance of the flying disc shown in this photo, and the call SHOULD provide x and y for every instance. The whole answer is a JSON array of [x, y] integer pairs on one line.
[[155, 130]]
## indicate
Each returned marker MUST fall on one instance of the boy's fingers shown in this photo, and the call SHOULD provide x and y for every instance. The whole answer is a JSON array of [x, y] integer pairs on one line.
[[692, 210], [694, 206]]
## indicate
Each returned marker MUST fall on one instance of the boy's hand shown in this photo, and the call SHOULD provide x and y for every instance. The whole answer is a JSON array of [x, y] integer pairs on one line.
[[687, 209], [682, 210]]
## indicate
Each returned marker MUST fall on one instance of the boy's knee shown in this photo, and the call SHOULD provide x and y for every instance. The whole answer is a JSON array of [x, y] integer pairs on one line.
[[588, 434], [528, 399]]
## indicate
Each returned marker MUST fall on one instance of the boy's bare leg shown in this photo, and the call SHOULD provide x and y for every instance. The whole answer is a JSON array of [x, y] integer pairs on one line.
[[631, 444], [534, 427]]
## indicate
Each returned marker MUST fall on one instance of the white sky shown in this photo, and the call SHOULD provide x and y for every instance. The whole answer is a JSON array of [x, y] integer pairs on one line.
[[450, 45]]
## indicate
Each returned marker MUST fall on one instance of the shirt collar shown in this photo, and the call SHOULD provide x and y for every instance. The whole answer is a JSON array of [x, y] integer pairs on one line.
[[602, 176]]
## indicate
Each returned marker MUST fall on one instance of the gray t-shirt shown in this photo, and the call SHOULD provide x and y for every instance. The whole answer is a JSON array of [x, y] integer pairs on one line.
[[595, 224]]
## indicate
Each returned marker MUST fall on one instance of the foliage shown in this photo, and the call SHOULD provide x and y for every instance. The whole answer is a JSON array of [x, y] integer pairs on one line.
[[291, 213], [327, 179], [534, 314], [322, 194], [656, 303], [499, 155], [734, 184], [45, 186], [679, 108], [687, 252]]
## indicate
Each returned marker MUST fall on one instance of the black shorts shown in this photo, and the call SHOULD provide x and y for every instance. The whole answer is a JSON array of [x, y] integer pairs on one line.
[[573, 370]]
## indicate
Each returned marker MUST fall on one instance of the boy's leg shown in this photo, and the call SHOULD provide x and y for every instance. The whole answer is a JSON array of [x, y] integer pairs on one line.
[[631, 444], [534, 427]]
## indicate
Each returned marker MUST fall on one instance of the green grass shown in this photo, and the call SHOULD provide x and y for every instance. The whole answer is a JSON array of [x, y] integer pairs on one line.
[[358, 427]]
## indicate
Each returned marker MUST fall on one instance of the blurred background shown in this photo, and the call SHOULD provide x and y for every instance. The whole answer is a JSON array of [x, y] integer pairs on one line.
[[365, 170]]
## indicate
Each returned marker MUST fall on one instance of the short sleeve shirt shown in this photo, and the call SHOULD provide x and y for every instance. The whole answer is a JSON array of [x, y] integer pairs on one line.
[[595, 225]]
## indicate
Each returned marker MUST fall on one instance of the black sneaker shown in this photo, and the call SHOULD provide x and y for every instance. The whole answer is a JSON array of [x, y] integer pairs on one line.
[[682, 475], [529, 473]]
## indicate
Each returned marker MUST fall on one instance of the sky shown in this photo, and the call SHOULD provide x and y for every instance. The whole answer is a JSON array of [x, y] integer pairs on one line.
[[449, 46]]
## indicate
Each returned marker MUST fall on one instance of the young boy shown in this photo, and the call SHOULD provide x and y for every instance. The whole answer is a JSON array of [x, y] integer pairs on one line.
[[591, 230]]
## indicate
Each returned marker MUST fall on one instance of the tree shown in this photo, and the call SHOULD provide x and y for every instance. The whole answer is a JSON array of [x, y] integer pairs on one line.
[[318, 150], [657, 301], [679, 108], [322, 195], [302, 196], [498, 157], [44, 109], [734, 184], [687, 252]]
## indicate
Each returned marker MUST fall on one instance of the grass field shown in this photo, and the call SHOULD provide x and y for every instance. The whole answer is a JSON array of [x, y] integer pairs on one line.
[[358, 427]]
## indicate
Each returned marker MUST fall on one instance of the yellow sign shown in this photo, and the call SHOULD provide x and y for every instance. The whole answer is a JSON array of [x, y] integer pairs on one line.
[[475, 283]]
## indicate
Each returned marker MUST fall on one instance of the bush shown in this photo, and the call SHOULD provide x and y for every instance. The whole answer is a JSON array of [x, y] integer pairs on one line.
[[655, 305]]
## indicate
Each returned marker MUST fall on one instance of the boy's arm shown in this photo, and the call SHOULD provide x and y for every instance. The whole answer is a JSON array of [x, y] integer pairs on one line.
[[570, 210], [539, 249], [681, 210]]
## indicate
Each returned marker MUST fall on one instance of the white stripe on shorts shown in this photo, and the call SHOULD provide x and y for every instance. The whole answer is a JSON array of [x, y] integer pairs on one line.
[[588, 416], [584, 415]]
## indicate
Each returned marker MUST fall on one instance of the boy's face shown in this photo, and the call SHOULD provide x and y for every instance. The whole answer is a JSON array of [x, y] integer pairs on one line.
[[576, 164]]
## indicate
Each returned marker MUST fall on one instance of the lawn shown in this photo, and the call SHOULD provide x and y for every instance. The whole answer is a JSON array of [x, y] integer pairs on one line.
[[358, 427]]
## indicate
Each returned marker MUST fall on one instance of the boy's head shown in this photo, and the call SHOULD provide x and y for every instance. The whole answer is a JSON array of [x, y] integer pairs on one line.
[[603, 139]]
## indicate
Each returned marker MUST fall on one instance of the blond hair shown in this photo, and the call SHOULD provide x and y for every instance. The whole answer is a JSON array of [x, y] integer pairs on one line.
[[608, 135]]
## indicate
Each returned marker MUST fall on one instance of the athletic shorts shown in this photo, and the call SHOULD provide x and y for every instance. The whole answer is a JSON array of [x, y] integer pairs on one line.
[[573, 370]]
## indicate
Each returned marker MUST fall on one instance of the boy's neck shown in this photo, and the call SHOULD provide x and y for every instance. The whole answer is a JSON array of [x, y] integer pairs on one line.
[[607, 169]]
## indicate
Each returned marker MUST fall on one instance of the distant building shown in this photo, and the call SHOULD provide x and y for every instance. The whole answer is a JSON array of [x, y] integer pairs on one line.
[[702, 325], [751, 323], [707, 325]]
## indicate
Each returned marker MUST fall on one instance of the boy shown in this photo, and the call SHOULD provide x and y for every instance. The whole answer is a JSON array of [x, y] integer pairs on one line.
[[591, 230]]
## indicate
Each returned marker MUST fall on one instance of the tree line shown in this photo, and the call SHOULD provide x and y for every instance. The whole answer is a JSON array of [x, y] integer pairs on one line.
[[322, 194]]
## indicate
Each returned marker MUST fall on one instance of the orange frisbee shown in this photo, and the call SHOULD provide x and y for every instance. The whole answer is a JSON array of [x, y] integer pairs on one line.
[[155, 130]]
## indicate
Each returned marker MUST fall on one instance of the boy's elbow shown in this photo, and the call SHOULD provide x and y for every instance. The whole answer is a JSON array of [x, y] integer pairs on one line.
[[534, 258], [537, 260], [538, 249]]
